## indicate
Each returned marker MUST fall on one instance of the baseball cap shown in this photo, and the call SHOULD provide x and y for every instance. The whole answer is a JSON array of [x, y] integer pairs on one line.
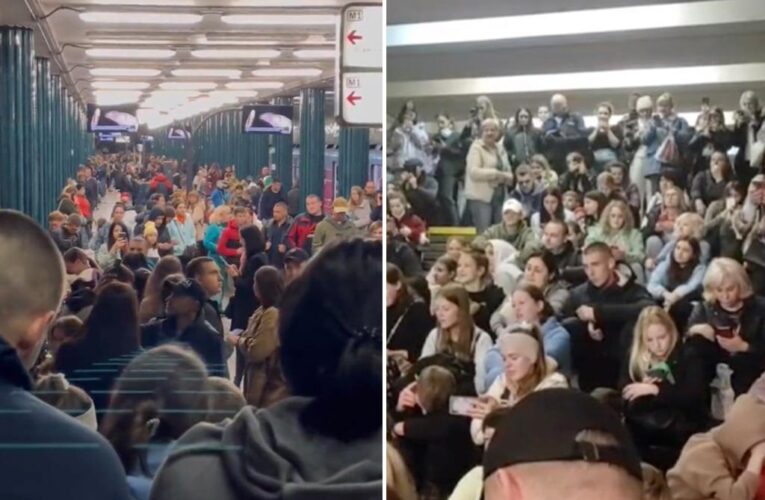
[[190, 288], [340, 205], [543, 428], [296, 255], [512, 205]]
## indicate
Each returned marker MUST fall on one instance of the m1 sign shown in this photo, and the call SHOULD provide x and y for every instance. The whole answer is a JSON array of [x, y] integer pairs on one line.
[[359, 83]]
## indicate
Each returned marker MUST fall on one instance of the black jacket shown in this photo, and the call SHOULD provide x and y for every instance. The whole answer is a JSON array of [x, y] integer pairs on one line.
[[403, 256], [747, 366], [56, 457], [408, 326], [200, 336], [569, 264], [488, 300], [267, 201], [581, 183], [244, 303]]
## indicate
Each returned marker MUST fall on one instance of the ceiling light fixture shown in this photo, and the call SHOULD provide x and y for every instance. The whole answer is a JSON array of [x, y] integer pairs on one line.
[[124, 72], [130, 53], [229, 73], [234, 54], [188, 85], [120, 85], [254, 85], [315, 54], [139, 18], [281, 20], [282, 72]]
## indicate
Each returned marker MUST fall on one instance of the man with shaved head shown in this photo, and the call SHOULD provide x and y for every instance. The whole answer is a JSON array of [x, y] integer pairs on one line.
[[564, 133], [46, 453]]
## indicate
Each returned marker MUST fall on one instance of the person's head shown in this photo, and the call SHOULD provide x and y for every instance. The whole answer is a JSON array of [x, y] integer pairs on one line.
[[313, 204], [268, 286], [632, 101], [112, 328], [618, 172], [207, 274], [599, 264], [653, 340], [552, 202], [604, 111], [644, 107], [749, 103], [490, 131], [73, 223], [524, 357], [567, 435], [539, 167], [150, 234], [340, 209], [665, 104], [276, 184], [529, 304], [76, 261], [689, 225], [221, 215], [543, 113], [193, 198], [117, 232], [485, 107], [242, 217], [396, 290], [357, 196], [523, 117], [558, 104], [434, 387], [180, 207], [118, 212], [497, 252], [55, 220], [145, 409], [472, 269], [294, 261], [726, 283], [512, 212], [64, 330], [369, 188], [672, 197], [376, 230], [453, 315], [554, 235], [167, 265], [540, 269], [331, 339], [252, 240], [137, 245], [454, 247], [55, 390], [572, 200], [280, 211], [576, 162], [158, 200], [719, 164], [80, 189], [396, 205], [32, 288], [736, 191], [186, 299], [524, 179], [686, 254], [224, 399], [444, 270], [617, 217]]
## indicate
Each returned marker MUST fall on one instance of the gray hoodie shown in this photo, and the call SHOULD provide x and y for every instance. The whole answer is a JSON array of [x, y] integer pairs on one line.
[[267, 454]]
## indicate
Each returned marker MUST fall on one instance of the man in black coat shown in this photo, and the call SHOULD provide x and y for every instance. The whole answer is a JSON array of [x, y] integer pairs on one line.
[[46, 453], [272, 195], [568, 260], [600, 317]]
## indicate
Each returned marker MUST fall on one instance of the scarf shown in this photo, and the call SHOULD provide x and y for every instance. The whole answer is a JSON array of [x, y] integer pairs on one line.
[[181, 218]]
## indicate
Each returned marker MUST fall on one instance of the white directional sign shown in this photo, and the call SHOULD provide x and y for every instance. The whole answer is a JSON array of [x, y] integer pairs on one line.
[[359, 83], [362, 98], [362, 36]]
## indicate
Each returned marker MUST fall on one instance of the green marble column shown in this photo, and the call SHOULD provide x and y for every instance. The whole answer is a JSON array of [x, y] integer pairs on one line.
[[354, 158], [312, 143]]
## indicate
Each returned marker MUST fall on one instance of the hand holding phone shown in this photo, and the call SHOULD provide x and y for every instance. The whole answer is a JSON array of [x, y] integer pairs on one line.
[[462, 406]]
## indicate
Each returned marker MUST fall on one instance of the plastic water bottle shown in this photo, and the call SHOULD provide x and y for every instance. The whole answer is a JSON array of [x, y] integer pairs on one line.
[[722, 392]]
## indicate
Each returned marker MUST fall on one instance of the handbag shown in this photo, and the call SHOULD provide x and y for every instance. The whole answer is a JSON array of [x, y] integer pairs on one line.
[[668, 152]]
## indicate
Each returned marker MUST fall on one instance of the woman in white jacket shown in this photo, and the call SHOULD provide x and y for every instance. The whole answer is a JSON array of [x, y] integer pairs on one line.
[[527, 370]]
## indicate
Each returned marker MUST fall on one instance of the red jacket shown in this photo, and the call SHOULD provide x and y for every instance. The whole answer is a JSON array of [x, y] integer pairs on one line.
[[228, 243], [161, 179], [84, 205], [414, 223], [301, 232]]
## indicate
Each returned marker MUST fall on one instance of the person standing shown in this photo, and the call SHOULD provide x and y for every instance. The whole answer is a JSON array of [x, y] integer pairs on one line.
[[336, 227], [276, 231], [304, 226]]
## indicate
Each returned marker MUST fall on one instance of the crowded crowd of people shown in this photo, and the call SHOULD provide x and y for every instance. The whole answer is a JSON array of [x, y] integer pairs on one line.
[[608, 309], [200, 300]]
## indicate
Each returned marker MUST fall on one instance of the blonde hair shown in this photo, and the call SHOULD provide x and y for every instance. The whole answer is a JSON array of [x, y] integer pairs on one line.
[[217, 215], [667, 99], [640, 358], [490, 112], [629, 221], [434, 386], [723, 269], [356, 189], [694, 220]]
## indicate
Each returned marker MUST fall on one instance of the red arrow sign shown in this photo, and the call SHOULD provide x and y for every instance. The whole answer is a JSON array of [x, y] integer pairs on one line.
[[352, 98], [352, 37]]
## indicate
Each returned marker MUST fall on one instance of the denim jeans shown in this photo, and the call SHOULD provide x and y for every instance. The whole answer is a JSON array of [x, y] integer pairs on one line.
[[447, 198]]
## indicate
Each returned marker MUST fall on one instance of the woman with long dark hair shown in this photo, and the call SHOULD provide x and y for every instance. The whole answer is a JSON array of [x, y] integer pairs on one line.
[[152, 305], [111, 339], [116, 245], [677, 280], [408, 318], [325, 440], [146, 415], [552, 209], [523, 140]]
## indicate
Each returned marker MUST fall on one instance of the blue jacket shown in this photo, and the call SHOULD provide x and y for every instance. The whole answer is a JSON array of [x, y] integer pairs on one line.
[[210, 242], [46, 453], [184, 234], [658, 130], [218, 197], [561, 139], [557, 344], [277, 235], [659, 281]]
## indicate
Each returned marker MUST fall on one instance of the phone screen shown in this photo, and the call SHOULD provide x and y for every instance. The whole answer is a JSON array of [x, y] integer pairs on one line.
[[724, 331], [461, 405]]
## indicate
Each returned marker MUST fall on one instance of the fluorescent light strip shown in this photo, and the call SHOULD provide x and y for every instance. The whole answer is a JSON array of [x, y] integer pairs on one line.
[[588, 80], [139, 18], [229, 73], [124, 72], [281, 20], [287, 72], [119, 85], [315, 54], [188, 85], [580, 22], [254, 85], [130, 53], [119, 41], [234, 54]]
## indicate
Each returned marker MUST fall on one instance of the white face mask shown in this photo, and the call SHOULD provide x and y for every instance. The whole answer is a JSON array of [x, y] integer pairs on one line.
[[446, 132]]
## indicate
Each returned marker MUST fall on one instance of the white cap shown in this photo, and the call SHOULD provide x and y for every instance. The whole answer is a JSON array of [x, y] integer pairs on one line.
[[512, 205]]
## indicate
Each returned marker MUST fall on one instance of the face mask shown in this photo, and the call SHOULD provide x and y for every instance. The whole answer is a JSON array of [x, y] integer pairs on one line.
[[446, 132]]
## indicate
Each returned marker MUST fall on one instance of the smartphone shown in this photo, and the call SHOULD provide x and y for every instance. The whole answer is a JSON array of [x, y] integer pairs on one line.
[[724, 331], [461, 405]]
